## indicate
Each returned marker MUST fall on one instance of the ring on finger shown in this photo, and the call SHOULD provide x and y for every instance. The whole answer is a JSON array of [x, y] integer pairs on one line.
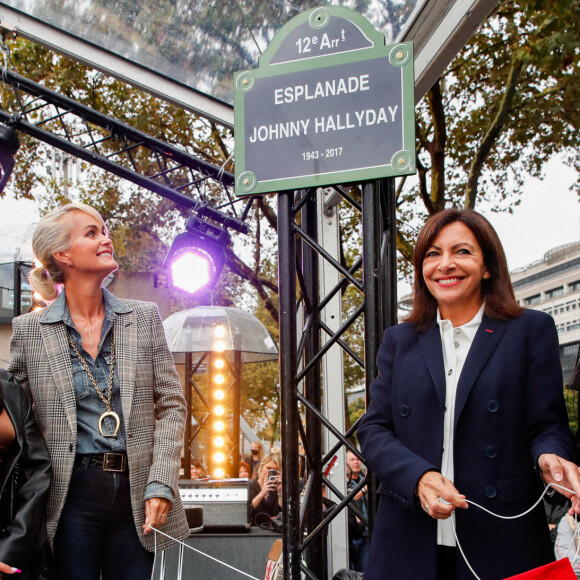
[[426, 508]]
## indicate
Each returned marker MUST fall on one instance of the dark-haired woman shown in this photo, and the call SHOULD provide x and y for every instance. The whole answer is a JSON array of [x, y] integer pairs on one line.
[[108, 401], [24, 485], [468, 404]]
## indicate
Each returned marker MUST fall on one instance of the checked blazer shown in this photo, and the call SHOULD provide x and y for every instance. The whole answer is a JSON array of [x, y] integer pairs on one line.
[[151, 397]]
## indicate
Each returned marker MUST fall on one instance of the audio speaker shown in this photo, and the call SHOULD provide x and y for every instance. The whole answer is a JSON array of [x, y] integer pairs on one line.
[[225, 502]]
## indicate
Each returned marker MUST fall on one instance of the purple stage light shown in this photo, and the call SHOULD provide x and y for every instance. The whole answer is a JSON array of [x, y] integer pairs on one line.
[[197, 257], [192, 270]]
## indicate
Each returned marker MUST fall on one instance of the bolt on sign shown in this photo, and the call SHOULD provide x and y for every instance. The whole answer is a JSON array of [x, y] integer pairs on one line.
[[329, 103]]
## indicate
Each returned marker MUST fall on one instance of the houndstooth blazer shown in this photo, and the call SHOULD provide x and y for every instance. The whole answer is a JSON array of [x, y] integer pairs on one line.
[[151, 397]]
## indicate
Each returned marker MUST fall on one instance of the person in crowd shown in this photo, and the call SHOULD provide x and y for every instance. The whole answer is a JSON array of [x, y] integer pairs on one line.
[[358, 539], [256, 455], [196, 471], [25, 474], [244, 470], [468, 404], [108, 401], [266, 490]]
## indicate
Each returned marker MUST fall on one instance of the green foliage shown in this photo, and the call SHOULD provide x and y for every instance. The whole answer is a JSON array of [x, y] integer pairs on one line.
[[506, 104], [571, 398], [355, 409]]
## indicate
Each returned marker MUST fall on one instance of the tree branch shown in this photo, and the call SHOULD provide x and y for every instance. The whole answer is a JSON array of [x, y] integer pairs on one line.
[[436, 148], [493, 132], [238, 267], [268, 212]]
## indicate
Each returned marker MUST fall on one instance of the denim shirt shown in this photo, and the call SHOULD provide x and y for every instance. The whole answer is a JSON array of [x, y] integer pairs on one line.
[[89, 405]]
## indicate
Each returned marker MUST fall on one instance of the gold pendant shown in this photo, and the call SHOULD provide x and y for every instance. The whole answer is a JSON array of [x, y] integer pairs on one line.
[[117, 420]]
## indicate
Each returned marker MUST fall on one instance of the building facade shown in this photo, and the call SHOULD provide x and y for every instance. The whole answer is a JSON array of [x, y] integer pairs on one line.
[[552, 285]]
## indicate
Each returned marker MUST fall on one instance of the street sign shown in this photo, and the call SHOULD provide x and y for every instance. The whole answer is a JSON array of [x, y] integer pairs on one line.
[[329, 103]]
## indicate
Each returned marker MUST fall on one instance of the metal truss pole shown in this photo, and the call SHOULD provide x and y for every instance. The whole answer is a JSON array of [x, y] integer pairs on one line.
[[304, 355], [380, 297], [315, 554], [288, 371], [333, 376], [389, 253], [236, 408], [188, 397]]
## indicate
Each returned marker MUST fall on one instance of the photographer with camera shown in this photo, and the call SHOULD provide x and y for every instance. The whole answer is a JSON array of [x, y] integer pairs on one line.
[[266, 491]]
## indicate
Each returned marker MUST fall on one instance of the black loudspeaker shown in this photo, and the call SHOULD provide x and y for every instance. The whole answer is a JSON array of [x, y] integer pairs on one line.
[[225, 502]]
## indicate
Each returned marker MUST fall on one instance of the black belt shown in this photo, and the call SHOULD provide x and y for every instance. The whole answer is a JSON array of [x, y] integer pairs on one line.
[[107, 461]]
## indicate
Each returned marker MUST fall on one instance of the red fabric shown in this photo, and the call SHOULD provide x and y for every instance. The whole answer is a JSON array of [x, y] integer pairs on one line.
[[558, 570]]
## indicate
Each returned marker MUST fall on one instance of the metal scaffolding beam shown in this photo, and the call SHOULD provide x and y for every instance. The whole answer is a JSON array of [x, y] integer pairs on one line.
[[303, 353], [114, 146]]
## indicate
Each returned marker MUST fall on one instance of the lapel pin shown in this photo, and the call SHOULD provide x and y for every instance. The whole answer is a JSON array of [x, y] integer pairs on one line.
[[488, 330]]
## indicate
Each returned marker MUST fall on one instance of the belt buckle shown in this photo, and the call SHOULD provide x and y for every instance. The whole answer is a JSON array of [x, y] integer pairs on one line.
[[111, 457]]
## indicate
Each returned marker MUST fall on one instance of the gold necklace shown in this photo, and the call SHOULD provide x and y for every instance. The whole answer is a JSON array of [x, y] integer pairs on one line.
[[107, 401]]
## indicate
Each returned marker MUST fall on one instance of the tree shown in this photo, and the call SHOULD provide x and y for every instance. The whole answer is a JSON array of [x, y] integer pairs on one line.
[[505, 105], [143, 224]]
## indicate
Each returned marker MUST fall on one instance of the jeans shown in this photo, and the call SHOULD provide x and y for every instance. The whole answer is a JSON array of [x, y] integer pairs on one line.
[[359, 552], [96, 533]]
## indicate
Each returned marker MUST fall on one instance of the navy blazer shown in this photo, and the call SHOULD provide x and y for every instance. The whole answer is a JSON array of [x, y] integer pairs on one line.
[[509, 410]]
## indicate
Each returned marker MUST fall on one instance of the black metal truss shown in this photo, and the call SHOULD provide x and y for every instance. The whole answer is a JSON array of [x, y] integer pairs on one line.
[[300, 257], [116, 147]]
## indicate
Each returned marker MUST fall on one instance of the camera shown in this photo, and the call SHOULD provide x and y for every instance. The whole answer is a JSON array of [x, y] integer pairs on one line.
[[272, 474]]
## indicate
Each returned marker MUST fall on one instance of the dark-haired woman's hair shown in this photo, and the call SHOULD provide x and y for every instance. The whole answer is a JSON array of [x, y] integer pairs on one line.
[[500, 302]]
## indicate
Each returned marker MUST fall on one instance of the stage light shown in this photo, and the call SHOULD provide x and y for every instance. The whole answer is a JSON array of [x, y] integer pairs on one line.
[[219, 395], [196, 257], [219, 472], [219, 426], [219, 441], [219, 346], [219, 410], [219, 331], [219, 379], [219, 363], [191, 270], [9, 145], [219, 457]]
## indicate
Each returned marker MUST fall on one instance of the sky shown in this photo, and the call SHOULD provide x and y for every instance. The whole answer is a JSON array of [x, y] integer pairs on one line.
[[548, 216]]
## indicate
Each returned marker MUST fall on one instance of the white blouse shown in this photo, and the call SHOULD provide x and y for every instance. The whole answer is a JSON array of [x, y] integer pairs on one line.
[[456, 343]]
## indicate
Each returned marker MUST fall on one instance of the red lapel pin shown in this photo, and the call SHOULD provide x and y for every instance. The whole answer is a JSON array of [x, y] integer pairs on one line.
[[488, 330]]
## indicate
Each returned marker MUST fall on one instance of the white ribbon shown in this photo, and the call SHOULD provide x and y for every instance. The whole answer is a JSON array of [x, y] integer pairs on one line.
[[508, 518], [180, 561]]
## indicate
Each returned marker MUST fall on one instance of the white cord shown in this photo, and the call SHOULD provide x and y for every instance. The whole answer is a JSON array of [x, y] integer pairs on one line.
[[180, 563], [503, 518], [203, 554]]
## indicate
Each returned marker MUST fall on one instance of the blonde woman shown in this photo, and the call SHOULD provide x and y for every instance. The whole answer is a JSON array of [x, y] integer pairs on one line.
[[107, 400], [266, 490]]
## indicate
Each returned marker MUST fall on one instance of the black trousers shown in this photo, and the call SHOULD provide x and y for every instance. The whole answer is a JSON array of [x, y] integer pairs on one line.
[[446, 563]]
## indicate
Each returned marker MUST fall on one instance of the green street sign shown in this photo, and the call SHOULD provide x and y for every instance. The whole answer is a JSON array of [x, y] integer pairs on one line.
[[329, 103]]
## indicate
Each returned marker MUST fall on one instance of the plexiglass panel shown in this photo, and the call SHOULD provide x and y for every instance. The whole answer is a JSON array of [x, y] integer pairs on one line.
[[194, 42]]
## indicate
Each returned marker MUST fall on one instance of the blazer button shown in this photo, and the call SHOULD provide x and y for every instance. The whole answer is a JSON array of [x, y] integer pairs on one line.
[[490, 451], [490, 492], [404, 410], [492, 406]]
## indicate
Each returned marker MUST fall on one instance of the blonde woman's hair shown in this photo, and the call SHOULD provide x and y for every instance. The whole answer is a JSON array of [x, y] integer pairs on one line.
[[52, 234]]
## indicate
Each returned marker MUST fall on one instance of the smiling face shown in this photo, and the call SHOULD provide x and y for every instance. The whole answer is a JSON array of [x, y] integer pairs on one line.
[[453, 269], [91, 250]]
